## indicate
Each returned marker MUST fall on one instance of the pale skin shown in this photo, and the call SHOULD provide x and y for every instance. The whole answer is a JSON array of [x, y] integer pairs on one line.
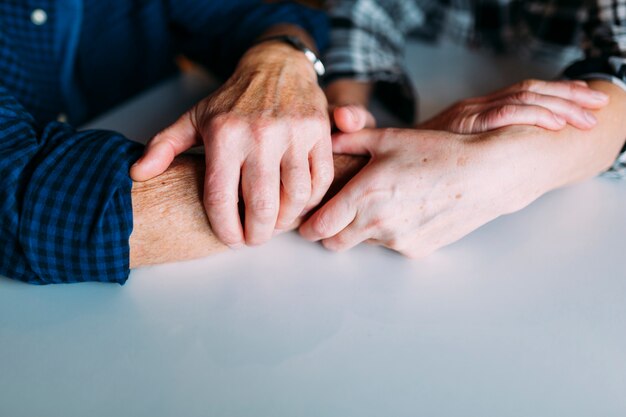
[[421, 189], [424, 189]]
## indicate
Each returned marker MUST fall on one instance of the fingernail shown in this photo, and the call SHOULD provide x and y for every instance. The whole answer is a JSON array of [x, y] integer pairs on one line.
[[353, 114], [590, 118], [559, 119], [599, 96]]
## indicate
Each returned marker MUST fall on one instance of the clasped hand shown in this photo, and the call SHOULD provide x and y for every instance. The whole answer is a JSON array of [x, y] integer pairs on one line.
[[265, 131], [423, 189]]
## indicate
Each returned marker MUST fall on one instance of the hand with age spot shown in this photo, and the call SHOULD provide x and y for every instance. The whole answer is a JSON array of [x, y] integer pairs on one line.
[[548, 104], [267, 129]]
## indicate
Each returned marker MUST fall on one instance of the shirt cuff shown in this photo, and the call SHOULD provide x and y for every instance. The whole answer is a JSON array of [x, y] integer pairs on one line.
[[77, 213]]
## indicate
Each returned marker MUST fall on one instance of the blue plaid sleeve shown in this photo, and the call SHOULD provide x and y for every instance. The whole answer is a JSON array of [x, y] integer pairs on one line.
[[216, 34], [65, 204], [367, 42]]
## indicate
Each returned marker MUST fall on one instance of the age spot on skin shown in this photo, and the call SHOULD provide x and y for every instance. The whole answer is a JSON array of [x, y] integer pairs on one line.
[[425, 160], [462, 161], [458, 196]]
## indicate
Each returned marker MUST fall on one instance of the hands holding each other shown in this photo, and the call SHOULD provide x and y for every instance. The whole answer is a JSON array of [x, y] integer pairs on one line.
[[267, 137], [424, 189]]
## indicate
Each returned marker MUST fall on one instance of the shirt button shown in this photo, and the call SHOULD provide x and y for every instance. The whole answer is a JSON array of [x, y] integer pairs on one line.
[[39, 17], [62, 117]]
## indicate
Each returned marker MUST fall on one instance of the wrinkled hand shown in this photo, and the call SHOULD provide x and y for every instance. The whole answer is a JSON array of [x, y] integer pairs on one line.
[[266, 128], [421, 190], [548, 104]]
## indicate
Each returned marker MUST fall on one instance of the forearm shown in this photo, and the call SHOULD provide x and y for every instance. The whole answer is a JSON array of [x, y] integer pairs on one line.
[[594, 151], [537, 160], [170, 223]]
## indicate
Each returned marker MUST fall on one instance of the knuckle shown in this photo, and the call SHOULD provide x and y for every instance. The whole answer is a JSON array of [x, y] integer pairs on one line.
[[264, 208], [524, 96], [228, 238], [336, 244], [321, 225], [301, 193], [217, 122], [222, 125], [256, 240], [465, 123], [506, 111], [325, 171], [529, 84], [573, 88], [396, 244], [217, 199], [375, 225]]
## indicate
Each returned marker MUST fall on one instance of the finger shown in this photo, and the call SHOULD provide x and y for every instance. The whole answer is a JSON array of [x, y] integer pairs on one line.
[[260, 184], [334, 216], [322, 172], [521, 114], [221, 197], [571, 112], [358, 143], [353, 118], [580, 94], [348, 238], [296, 188], [164, 147]]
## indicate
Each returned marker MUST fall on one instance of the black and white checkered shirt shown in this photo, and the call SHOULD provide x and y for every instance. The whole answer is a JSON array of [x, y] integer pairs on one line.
[[368, 38]]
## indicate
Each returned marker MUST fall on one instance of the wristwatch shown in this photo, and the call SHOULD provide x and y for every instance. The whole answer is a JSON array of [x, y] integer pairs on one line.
[[296, 43]]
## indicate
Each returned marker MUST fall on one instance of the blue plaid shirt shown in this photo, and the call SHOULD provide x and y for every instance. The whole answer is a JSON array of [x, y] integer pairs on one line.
[[65, 204]]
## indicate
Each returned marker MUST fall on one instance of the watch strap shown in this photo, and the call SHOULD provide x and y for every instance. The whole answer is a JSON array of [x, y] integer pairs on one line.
[[297, 43]]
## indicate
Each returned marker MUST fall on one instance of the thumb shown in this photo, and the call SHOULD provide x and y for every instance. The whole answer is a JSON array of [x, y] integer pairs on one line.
[[363, 142], [353, 118], [164, 147]]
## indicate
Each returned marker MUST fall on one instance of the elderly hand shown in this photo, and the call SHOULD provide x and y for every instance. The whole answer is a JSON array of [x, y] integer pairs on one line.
[[266, 128], [548, 104], [422, 190]]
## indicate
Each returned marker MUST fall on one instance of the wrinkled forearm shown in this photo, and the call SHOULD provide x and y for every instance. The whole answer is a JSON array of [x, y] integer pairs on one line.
[[170, 223]]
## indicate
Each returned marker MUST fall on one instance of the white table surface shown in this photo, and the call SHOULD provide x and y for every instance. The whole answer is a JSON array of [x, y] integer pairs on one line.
[[525, 317]]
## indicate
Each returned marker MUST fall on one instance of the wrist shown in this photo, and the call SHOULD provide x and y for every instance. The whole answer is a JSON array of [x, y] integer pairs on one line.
[[278, 56], [525, 161], [169, 222]]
